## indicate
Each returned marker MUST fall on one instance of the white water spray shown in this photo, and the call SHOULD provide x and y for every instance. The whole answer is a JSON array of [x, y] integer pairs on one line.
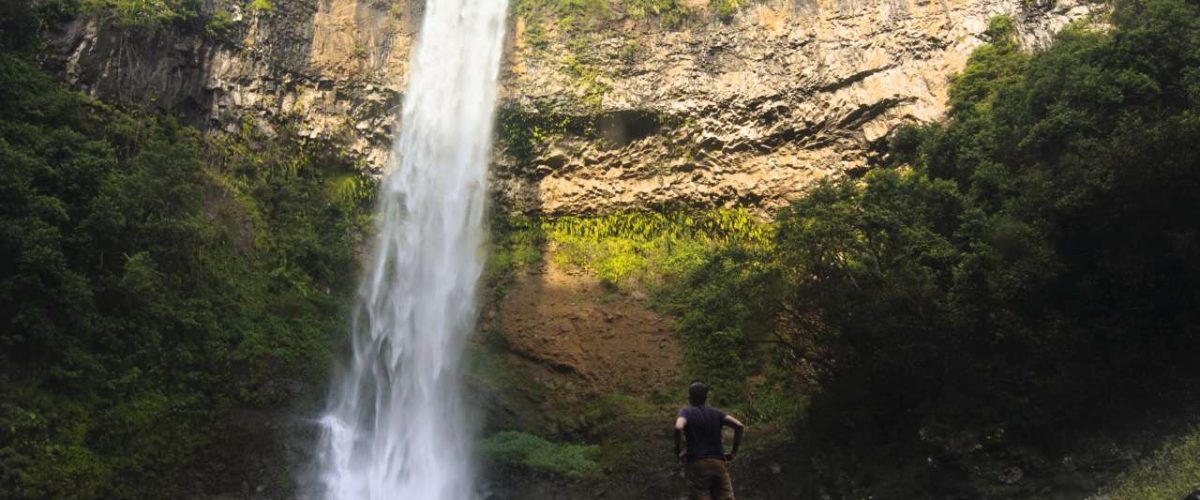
[[397, 427]]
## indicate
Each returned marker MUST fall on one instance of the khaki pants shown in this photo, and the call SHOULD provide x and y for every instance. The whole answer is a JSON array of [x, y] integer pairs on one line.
[[708, 480]]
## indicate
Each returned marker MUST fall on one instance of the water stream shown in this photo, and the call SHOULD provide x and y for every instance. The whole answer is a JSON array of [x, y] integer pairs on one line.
[[397, 426]]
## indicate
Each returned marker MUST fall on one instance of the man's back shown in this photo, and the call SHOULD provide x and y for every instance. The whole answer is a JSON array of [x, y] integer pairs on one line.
[[705, 457], [703, 431]]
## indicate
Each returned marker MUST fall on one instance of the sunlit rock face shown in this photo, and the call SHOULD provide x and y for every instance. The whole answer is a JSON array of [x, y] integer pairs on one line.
[[626, 114]]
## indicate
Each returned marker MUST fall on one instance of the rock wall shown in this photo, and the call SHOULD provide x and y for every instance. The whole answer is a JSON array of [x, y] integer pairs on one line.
[[624, 113]]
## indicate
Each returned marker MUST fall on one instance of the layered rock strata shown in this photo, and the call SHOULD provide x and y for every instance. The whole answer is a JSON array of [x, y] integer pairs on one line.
[[632, 113]]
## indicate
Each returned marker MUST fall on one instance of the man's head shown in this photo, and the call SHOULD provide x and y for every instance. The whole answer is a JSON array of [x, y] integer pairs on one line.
[[697, 393]]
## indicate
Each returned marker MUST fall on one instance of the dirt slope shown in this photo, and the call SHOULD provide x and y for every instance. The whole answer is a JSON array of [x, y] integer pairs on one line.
[[604, 339]]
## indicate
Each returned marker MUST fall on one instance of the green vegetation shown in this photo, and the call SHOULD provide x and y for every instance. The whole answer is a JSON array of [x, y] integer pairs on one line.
[[693, 262], [1001, 258], [726, 309], [261, 6], [151, 282], [578, 13], [1168, 475], [1020, 275], [523, 134], [648, 247], [1018, 271], [517, 243], [149, 15], [576, 24], [527, 450], [589, 75], [220, 25], [670, 13], [214, 20], [630, 248], [725, 9]]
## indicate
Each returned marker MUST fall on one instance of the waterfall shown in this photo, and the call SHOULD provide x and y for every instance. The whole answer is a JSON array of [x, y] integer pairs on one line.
[[397, 426]]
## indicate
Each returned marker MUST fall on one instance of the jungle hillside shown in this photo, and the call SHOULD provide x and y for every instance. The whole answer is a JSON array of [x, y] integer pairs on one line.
[[1002, 302]]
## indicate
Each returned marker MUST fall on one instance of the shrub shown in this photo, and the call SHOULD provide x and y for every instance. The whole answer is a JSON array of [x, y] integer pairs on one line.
[[151, 281], [527, 450]]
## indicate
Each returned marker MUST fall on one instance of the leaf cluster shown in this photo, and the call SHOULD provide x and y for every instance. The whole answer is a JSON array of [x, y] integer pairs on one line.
[[1022, 267], [149, 281]]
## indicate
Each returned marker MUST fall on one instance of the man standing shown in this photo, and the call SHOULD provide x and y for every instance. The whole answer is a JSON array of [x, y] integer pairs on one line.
[[704, 460]]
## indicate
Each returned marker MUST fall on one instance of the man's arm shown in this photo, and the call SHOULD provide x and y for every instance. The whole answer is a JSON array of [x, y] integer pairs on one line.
[[738, 429], [680, 423]]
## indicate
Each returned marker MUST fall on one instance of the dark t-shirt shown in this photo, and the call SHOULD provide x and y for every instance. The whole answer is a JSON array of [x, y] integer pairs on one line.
[[703, 431]]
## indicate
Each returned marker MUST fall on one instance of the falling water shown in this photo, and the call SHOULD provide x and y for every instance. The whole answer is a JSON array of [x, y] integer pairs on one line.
[[397, 427]]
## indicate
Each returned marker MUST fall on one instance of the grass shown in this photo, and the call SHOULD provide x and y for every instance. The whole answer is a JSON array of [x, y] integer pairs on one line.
[[261, 6], [648, 248], [516, 244], [621, 248], [1170, 474], [530, 451]]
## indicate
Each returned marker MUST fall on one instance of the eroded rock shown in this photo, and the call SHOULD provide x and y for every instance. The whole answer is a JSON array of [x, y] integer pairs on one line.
[[748, 112]]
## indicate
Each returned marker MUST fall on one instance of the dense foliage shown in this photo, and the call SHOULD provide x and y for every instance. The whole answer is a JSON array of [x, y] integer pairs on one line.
[[1021, 273], [150, 281], [1026, 267], [1017, 276], [215, 19]]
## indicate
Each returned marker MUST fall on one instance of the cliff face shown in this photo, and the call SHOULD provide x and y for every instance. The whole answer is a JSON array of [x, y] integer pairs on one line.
[[628, 111]]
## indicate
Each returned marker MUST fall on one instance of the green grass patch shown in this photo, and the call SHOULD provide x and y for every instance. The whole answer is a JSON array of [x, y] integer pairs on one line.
[[648, 248], [516, 243], [527, 450], [642, 248], [1168, 475]]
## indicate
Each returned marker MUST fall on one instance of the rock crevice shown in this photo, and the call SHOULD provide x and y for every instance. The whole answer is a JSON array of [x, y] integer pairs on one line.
[[748, 112]]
